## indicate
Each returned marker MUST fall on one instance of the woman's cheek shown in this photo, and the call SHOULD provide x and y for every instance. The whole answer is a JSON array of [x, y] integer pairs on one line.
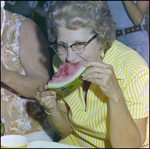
[[62, 58]]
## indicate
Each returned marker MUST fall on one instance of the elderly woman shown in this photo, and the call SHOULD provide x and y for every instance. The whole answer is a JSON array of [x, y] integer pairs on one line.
[[110, 108]]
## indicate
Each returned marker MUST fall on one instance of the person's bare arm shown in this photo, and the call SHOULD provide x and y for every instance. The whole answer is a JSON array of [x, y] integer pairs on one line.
[[125, 131], [34, 59], [136, 11], [60, 119]]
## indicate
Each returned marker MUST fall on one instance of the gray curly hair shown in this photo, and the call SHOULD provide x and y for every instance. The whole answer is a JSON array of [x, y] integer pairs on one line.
[[93, 15]]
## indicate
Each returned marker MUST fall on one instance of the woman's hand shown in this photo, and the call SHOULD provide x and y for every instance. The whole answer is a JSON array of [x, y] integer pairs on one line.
[[103, 75], [46, 98]]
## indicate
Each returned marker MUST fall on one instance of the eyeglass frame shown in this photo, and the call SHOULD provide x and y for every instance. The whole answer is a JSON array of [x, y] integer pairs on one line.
[[66, 46]]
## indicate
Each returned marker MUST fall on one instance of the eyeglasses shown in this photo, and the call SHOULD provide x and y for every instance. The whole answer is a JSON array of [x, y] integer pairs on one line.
[[78, 48]]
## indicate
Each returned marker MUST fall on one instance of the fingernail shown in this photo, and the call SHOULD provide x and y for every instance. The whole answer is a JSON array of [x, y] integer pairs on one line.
[[85, 65]]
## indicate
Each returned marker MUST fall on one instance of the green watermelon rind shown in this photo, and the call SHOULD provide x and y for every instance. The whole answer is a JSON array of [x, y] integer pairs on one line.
[[70, 86]]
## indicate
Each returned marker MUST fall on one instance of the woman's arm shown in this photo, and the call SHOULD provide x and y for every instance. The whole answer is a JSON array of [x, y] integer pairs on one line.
[[136, 11], [124, 131], [34, 58], [60, 119]]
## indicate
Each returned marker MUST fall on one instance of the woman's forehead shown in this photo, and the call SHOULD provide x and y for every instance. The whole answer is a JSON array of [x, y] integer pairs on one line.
[[66, 35]]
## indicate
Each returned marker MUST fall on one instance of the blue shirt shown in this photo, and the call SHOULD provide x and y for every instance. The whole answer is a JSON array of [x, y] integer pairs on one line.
[[120, 15]]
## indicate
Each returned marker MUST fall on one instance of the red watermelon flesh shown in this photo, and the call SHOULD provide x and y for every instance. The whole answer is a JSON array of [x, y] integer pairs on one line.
[[67, 73]]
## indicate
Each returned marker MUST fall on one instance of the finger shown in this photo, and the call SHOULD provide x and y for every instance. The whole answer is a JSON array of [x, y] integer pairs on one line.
[[89, 64], [102, 80], [50, 104], [96, 70], [95, 81], [98, 82], [91, 70], [92, 76], [98, 64], [40, 101], [44, 96], [47, 98], [43, 100], [38, 91], [48, 101], [41, 88], [48, 93], [37, 95]]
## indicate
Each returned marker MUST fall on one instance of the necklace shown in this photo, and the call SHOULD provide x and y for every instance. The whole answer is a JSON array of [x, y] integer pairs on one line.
[[3, 22]]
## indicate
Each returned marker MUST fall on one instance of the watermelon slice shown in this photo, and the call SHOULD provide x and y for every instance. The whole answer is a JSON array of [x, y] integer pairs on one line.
[[67, 78]]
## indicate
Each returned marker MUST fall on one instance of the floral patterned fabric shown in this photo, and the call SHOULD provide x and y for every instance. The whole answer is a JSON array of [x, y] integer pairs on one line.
[[19, 115]]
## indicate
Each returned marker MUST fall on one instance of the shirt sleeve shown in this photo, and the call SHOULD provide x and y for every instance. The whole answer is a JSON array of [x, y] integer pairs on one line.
[[136, 92]]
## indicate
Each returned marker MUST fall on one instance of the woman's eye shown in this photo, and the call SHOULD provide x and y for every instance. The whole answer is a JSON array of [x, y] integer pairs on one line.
[[78, 46], [61, 46]]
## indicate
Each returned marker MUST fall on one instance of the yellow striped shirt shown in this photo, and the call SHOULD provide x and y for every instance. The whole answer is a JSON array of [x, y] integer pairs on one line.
[[91, 125]]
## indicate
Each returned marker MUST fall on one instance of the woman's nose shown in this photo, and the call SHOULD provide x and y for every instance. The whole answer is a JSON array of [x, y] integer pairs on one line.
[[70, 55]]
